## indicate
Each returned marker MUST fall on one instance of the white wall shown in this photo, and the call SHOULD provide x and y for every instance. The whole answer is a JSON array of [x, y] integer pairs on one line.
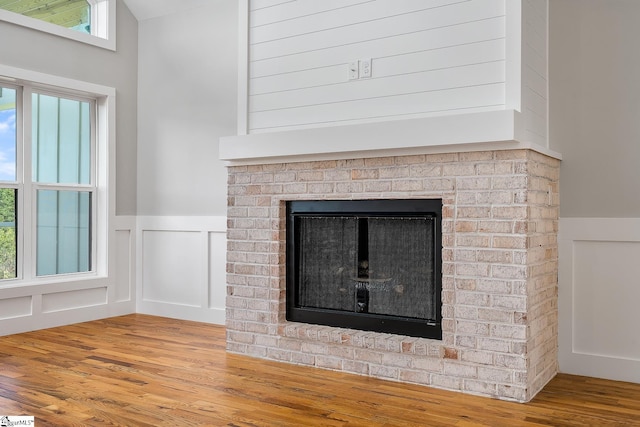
[[594, 109], [594, 67], [535, 84], [187, 101]]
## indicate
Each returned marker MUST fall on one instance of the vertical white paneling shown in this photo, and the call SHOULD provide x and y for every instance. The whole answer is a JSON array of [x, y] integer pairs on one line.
[[181, 267], [598, 294], [217, 243], [299, 54], [123, 289], [124, 272]]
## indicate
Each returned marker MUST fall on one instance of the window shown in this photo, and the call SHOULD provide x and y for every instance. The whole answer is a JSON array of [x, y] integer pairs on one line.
[[62, 177], [73, 14], [8, 189], [54, 203], [89, 21]]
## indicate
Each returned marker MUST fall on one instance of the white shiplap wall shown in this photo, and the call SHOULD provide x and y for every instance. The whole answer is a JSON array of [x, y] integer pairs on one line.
[[429, 58]]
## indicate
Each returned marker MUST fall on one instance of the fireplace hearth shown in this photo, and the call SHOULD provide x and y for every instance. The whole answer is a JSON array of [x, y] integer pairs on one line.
[[371, 265]]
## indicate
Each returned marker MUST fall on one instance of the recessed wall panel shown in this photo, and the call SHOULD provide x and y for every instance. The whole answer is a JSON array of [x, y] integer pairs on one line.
[[15, 307], [68, 300], [217, 270], [172, 267], [122, 286], [606, 292]]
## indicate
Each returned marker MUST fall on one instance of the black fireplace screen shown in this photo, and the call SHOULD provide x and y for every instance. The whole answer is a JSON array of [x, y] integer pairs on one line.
[[367, 264]]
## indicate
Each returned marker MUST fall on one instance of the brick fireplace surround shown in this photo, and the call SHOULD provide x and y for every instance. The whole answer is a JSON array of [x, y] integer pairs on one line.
[[500, 264]]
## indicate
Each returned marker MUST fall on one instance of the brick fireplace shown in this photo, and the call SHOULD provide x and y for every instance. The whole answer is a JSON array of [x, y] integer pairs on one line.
[[499, 269]]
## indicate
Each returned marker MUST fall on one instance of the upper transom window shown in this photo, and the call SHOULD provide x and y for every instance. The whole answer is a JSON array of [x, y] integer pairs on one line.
[[89, 21]]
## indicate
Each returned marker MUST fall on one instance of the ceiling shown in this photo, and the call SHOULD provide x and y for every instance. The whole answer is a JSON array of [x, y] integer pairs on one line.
[[147, 9]]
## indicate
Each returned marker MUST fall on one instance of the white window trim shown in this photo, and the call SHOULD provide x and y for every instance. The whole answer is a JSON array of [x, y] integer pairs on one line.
[[104, 205], [105, 34], [32, 187]]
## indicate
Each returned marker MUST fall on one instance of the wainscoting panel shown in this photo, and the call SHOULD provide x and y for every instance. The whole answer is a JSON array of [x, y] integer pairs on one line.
[[60, 301], [75, 298], [599, 290], [15, 307], [171, 267], [217, 273], [125, 275], [181, 267]]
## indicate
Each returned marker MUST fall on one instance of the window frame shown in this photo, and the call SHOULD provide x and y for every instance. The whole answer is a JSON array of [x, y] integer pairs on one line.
[[102, 16], [103, 176], [35, 186], [17, 185]]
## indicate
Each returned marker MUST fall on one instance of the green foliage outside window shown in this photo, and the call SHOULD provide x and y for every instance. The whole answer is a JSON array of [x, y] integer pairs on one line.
[[7, 233]]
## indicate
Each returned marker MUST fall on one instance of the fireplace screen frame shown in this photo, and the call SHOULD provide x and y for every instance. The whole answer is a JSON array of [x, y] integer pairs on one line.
[[418, 208]]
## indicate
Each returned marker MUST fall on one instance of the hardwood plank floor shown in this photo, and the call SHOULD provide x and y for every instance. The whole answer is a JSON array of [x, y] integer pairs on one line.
[[142, 370]]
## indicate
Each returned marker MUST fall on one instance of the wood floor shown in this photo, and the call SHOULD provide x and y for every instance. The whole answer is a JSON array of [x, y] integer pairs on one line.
[[149, 371]]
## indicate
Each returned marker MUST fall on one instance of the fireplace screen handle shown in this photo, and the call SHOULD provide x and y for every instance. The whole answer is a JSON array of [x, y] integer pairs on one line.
[[361, 298]]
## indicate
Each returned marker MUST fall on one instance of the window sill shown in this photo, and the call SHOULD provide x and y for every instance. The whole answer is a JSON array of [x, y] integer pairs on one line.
[[50, 284]]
